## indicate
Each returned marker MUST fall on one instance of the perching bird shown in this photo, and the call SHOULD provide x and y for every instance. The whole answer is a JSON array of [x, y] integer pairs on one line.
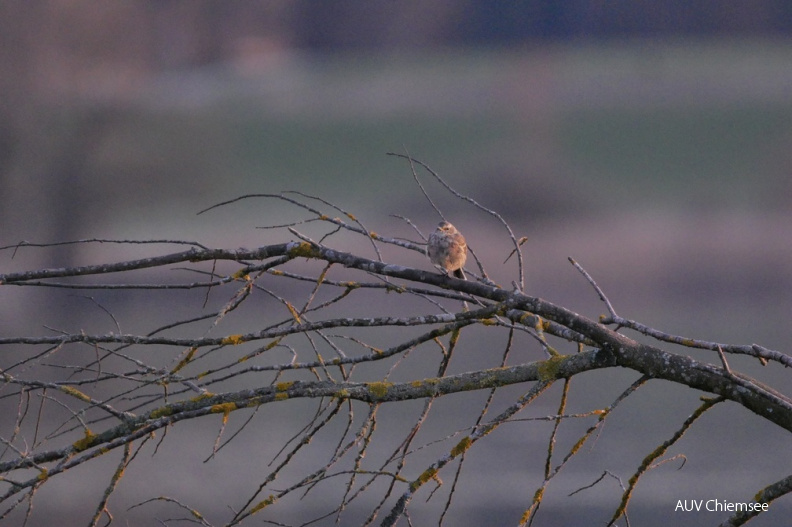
[[447, 249]]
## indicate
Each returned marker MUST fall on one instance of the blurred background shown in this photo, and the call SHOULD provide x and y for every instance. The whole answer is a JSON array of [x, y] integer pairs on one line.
[[651, 141]]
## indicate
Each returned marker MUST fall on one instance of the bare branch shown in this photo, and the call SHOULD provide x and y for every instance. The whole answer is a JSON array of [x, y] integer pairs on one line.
[[649, 462], [302, 320]]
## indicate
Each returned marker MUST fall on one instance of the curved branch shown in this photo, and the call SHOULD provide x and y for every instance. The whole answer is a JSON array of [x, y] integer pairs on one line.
[[369, 392], [627, 352], [499, 307]]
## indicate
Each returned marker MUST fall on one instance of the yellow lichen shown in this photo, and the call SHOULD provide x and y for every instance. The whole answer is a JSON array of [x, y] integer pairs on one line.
[[461, 447], [261, 350], [654, 454], [281, 396], [294, 314], [201, 397], [427, 474], [538, 495], [241, 274], [75, 393], [160, 412], [232, 340], [264, 503], [224, 408], [85, 442], [552, 351], [351, 216], [43, 474], [303, 249], [548, 369], [577, 446], [379, 389], [283, 386], [273, 344], [536, 501], [187, 358]]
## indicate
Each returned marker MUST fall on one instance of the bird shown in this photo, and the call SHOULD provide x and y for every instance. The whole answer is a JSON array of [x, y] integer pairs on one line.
[[447, 249]]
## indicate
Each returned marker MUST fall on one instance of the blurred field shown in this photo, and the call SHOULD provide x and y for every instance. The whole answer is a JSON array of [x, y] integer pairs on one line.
[[664, 168], [621, 155], [688, 125]]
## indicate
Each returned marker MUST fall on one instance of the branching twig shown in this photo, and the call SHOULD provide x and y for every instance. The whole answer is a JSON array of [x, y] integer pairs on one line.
[[303, 320], [649, 461]]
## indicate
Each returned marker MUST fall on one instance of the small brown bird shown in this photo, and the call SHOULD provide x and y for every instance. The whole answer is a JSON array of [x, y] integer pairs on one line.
[[447, 249]]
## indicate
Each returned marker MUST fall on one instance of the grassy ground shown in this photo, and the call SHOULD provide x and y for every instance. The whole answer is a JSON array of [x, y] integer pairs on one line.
[[697, 127]]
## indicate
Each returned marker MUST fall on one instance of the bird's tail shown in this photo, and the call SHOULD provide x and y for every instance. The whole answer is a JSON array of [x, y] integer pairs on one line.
[[459, 273]]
